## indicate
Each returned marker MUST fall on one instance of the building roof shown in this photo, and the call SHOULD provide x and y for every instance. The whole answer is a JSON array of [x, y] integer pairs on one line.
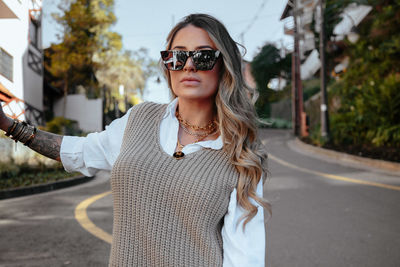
[[286, 12], [6, 12], [5, 94]]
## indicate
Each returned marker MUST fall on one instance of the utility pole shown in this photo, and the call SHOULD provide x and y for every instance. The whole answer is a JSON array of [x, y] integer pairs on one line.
[[104, 103], [324, 97], [242, 38], [297, 90]]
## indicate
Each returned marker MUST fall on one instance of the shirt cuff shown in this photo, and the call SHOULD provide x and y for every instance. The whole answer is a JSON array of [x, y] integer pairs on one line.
[[71, 155]]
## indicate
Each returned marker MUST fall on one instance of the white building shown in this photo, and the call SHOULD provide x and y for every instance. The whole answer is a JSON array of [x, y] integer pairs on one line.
[[21, 59], [308, 10]]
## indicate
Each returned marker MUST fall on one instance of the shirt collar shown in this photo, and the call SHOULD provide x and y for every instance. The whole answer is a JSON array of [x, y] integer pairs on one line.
[[171, 108]]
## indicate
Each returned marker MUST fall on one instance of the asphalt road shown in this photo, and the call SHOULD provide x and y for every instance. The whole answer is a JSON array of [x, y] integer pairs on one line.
[[318, 220]]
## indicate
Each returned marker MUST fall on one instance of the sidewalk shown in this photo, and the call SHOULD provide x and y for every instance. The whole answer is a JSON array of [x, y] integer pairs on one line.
[[386, 167]]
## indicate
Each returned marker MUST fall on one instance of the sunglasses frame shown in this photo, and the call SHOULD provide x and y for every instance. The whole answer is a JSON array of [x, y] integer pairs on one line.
[[188, 54]]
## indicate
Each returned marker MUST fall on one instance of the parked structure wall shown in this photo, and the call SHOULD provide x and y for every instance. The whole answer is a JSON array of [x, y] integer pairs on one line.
[[87, 112], [21, 45]]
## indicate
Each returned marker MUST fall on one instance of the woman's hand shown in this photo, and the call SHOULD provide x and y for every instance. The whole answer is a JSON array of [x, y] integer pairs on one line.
[[5, 122]]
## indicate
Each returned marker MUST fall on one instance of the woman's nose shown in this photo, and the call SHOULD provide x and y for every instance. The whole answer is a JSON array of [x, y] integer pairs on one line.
[[189, 65]]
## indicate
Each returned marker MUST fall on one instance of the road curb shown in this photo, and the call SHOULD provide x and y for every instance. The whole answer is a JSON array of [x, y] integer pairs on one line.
[[41, 188], [387, 167]]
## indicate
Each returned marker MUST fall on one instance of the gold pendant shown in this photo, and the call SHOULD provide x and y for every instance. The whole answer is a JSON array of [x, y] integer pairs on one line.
[[178, 154]]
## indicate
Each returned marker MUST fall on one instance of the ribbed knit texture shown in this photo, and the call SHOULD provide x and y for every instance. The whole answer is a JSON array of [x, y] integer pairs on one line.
[[167, 212]]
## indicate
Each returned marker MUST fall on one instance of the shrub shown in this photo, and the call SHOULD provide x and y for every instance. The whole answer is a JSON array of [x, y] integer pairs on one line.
[[61, 125], [369, 112], [13, 176]]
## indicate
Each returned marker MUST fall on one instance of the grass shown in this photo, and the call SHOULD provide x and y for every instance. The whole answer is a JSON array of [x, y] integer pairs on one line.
[[15, 176]]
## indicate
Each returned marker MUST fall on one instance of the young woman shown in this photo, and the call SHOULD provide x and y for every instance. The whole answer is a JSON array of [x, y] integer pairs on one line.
[[187, 178]]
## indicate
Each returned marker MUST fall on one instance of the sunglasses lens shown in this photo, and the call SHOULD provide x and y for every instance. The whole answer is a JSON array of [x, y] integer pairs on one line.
[[204, 59], [173, 60]]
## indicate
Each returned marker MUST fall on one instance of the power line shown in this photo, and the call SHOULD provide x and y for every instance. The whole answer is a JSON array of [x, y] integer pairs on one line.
[[264, 16], [252, 21]]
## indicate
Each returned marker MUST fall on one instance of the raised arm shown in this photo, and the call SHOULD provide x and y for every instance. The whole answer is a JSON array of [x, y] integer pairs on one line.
[[45, 143]]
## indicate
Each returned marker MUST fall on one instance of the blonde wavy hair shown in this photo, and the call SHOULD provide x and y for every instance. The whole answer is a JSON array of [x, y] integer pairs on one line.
[[236, 115]]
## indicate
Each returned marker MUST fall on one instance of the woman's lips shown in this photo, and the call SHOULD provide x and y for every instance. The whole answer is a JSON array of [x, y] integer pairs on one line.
[[190, 81]]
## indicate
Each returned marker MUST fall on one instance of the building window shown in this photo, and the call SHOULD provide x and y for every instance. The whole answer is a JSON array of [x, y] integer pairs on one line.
[[6, 64], [35, 62], [34, 33]]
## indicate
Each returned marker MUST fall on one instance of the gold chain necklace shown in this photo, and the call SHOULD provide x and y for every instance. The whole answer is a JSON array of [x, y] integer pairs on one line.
[[210, 129], [210, 126], [180, 146], [199, 136], [179, 154]]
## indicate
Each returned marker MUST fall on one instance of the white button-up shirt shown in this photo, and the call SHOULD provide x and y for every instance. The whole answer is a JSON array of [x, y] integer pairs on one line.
[[98, 151]]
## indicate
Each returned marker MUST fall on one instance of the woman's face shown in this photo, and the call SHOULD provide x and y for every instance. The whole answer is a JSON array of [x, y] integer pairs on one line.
[[190, 83]]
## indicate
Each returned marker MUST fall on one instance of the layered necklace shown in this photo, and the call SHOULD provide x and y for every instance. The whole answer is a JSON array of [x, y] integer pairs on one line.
[[199, 132]]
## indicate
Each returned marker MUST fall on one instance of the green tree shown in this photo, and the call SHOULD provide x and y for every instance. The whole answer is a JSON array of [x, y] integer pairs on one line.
[[266, 65], [128, 68], [333, 14], [120, 69], [85, 32], [369, 113]]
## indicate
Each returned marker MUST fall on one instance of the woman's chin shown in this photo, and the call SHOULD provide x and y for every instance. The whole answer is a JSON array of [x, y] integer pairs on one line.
[[193, 96]]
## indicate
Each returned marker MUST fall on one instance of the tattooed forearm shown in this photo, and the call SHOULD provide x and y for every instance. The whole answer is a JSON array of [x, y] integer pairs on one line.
[[47, 144]]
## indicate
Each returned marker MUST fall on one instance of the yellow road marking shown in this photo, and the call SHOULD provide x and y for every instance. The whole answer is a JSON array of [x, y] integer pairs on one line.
[[335, 177], [83, 219]]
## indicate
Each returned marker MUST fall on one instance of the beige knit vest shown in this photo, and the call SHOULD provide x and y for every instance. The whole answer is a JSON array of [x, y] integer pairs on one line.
[[167, 212]]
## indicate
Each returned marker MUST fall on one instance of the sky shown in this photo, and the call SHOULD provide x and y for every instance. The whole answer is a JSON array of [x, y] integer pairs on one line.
[[252, 23]]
